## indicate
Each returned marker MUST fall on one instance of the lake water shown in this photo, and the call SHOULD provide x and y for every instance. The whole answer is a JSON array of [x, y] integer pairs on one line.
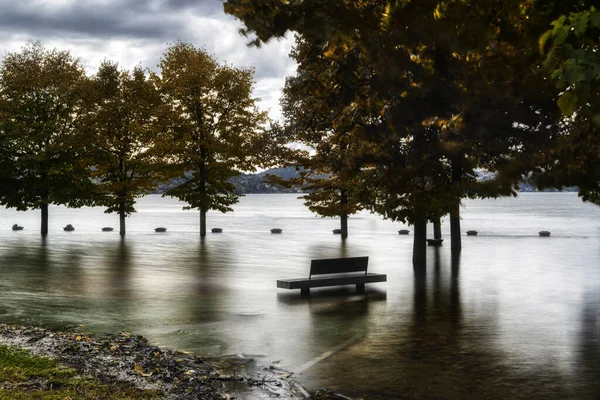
[[517, 316]]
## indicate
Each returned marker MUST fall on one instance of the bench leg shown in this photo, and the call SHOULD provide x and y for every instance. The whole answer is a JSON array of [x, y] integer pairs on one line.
[[305, 292], [360, 288]]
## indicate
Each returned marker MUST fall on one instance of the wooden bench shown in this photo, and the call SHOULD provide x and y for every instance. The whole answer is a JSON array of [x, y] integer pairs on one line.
[[334, 272]]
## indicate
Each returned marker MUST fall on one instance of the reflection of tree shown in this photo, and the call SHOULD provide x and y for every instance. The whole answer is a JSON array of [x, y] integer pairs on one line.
[[331, 250], [433, 351], [589, 348], [40, 280], [119, 270]]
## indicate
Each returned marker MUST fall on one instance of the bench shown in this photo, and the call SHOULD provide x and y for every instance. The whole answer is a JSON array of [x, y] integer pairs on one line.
[[334, 272]]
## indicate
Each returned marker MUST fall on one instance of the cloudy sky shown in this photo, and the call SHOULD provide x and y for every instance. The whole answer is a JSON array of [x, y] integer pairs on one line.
[[138, 31]]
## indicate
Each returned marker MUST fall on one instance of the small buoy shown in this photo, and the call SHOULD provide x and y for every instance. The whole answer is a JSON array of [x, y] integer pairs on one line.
[[161, 229], [403, 232], [336, 231], [544, 233], [435, 242], [69, 228], [217, 230], [276, 230], [107, 229], [471, 233]]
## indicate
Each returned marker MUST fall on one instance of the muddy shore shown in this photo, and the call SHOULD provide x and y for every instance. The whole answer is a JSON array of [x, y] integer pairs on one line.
[[129, 359]]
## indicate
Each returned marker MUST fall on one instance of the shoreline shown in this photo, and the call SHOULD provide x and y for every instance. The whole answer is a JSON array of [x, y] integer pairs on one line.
[[131, 361]]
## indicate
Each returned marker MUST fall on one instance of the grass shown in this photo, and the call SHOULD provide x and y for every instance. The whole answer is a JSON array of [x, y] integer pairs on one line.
[[25, 376]]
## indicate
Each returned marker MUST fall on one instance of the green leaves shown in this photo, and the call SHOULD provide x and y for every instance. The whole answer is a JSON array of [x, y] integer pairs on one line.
[[573, 64], [568, 103]]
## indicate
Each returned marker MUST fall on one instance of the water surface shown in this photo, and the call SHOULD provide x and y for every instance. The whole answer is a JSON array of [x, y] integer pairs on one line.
[[516, 316]]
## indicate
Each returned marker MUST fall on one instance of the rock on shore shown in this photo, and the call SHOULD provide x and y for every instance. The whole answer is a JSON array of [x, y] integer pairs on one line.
[[122, 358]]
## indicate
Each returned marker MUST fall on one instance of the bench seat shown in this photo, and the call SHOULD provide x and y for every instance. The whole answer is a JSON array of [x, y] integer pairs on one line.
[[334, 272], [336, 280]]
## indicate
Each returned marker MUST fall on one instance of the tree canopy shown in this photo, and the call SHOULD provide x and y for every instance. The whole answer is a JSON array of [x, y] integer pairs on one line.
[[120, 133], [40, 105], [212, 124], [572, 60]]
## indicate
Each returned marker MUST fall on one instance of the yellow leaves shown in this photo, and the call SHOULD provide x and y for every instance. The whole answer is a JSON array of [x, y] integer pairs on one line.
[[543, 40], [440, 10], [386, 16], [140, 370]]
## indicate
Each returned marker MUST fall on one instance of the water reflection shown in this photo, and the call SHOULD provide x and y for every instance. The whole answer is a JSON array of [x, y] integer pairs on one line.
[[118, 265], [512, 316], [589, 347], [439, 352]]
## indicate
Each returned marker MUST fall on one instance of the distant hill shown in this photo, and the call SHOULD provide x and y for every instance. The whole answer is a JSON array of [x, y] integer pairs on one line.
[[248, 183], [255, 183]]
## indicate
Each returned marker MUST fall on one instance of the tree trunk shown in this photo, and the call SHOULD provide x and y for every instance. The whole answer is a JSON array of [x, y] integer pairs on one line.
[[344, 214], [437, 228], [455, 228], [122, 218], [456, 245], [202, 221], [44, 208], [203, 199], [420, 246]]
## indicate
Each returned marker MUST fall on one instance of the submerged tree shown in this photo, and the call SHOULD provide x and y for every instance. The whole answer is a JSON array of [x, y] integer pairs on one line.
[[213, 126], [452, 81], [119, 130], [40, 99], [313, 103]]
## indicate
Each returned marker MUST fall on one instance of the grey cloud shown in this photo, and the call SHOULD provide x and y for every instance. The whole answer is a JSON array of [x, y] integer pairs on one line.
[[150, 19], [134, 32]]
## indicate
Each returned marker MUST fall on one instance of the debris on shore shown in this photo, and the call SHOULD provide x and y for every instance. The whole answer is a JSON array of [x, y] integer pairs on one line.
[[129, 359], [123, 358]]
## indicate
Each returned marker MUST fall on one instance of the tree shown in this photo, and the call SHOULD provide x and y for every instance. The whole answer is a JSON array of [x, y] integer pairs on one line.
[[312, 102], [119, 130], [442, 74], [213, 125], [40, 99], [572, 60]]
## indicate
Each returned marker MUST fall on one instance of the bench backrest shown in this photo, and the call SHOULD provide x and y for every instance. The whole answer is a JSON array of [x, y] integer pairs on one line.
[[339, 265]]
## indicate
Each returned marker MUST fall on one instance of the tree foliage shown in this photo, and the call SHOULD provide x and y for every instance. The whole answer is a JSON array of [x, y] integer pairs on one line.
[[40, 104], [572, 60], [120, 133], [446, 87], [213, 125], [312, 102]]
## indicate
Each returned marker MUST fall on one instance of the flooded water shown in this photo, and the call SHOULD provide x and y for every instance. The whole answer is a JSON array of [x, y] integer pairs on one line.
[[517, 316]]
